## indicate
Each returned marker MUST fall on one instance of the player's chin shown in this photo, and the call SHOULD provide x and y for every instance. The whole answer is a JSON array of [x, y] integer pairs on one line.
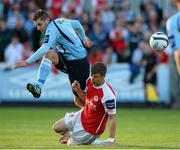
[[95, 84]]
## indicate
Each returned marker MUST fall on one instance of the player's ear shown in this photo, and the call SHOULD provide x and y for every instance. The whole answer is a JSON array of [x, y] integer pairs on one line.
[[47, 20]]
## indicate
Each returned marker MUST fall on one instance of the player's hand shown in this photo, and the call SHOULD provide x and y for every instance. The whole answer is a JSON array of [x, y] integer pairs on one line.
[[76, 86], [110, 141], [88, 43], [19, 64]]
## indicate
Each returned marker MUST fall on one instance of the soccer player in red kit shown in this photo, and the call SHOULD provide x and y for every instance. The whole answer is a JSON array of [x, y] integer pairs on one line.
[[87, 124]]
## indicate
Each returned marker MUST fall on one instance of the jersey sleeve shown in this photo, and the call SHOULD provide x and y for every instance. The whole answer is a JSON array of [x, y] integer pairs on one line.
[[79, 29], [48, 43], [109, 103], [173, 31]]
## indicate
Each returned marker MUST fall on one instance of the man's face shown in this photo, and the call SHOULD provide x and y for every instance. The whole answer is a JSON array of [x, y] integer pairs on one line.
[[97, 79], [41, 24]]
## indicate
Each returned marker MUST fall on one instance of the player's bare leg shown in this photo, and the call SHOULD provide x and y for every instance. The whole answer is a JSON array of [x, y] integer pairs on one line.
[[53, 56], [61, 128], [45, 68]]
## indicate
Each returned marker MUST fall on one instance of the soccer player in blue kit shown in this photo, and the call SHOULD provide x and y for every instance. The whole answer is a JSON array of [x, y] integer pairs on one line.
[[173, 30], [63, 47]]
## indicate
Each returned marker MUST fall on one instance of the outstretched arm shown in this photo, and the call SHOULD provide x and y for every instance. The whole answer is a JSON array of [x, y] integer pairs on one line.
[[49, 41], [36, 56]]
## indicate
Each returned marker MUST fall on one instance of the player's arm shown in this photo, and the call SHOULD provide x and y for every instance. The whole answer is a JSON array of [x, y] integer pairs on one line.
[[177, 59], [36, 56], [110, 108], [76, 87], [174, 36], [80, 30], [49, 41], [112, 127]]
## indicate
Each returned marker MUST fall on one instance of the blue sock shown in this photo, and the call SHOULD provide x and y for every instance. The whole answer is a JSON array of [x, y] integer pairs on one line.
[[43, 72]]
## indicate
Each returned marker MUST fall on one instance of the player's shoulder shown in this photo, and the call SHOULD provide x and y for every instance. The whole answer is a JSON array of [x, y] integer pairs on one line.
[[50, 26], [88, 81], [173, 18], [58, 21], [108, 90], [108, 93]]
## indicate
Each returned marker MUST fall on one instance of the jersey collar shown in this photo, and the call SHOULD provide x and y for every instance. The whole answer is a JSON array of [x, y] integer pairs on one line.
[[101, 86]]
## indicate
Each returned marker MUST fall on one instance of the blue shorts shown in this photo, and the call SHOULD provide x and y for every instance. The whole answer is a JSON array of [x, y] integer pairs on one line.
[[77, 70]]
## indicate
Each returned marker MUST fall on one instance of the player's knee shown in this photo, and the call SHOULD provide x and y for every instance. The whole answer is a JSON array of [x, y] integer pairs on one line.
[[52, 55], [55, 128]]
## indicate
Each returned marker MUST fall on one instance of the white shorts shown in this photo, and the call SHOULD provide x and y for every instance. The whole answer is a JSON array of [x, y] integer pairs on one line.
[[79, 135]]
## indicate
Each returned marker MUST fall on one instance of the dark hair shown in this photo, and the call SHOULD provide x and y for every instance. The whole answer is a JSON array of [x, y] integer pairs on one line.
[[41, 14], [99, 68]]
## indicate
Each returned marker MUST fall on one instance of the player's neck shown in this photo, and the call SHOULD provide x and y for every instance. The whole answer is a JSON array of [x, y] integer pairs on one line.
[[102, 82]]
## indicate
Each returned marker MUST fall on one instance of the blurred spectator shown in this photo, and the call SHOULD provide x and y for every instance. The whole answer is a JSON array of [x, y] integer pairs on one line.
[[75, 6], [144, 26], [151, 6], [135, 35], [95, 56], [108, 17], [153, 21], [5, 38], [20, 32], [121, 25], [29, 26], [128, 14], [150, 63], [1, 8], [86, 22], [109, 56], [13, 16], [13, 52], [55, 7], [146, 36], [27, 52], [136, 61], [85, 19], [31, 7], [97, 6], [98, 36], [36, 38], [119, 45], [162, 57]]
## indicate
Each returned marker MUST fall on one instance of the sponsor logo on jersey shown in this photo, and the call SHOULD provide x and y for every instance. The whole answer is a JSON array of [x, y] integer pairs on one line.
[[96, 98]]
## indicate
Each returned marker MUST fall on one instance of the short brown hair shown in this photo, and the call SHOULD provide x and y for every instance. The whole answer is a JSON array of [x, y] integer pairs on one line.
[[40, 14], [99, 68]]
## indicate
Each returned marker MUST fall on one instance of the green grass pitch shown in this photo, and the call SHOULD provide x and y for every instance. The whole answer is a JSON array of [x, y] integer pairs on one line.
[[30, 128]]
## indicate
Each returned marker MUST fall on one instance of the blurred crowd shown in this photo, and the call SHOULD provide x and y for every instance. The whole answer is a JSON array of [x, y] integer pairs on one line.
[[118, 33]]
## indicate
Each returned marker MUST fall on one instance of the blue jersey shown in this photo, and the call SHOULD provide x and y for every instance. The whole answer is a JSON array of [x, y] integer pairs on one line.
[[173, 30], [63, 35]]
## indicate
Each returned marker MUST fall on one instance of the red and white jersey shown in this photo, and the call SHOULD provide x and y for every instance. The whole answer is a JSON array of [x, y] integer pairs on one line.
[[100, 101]]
